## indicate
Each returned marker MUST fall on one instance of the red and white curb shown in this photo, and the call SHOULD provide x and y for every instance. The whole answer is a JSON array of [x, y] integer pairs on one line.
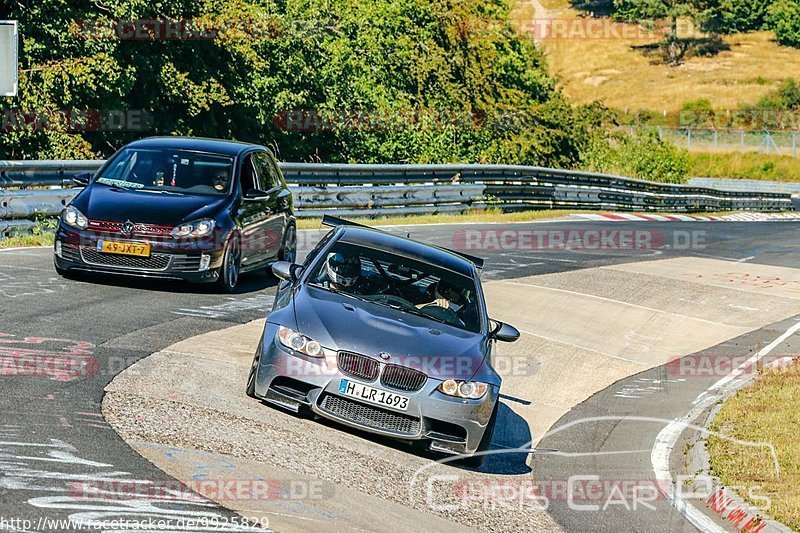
[[734, 217]]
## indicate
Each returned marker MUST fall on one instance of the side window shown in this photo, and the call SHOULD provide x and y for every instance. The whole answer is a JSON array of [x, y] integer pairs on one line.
[[269, 172], [249, 176]]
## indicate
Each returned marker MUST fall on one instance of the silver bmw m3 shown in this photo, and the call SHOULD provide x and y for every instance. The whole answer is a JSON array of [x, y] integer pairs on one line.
[[384, 334]]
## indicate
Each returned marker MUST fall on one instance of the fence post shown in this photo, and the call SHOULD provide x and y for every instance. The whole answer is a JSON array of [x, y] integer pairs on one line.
[[794, 144], [688, 138], [715, 138], [741, 141]]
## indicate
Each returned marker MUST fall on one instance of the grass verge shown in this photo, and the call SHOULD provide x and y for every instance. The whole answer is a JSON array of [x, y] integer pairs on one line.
[[766, 411], [43, 239], [487, 216], [745, 166]]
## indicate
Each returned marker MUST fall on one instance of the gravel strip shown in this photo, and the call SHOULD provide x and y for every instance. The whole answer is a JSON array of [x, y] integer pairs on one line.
[[180, 400]]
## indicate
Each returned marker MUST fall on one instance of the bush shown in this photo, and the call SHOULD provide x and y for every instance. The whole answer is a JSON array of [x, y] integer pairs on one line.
[[643, 156], [732, 16], [784, 18]]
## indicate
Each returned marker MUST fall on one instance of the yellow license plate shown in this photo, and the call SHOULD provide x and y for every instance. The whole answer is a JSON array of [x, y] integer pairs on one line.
[[124, 248]]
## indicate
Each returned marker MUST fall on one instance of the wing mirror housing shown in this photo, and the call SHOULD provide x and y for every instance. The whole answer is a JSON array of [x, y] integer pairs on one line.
[[504, 332], [82, 178], [285, 270], [255, 195]]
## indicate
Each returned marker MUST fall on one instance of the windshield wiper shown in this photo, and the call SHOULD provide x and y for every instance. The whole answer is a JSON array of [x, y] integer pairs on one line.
[[414, 311], [331, 289]]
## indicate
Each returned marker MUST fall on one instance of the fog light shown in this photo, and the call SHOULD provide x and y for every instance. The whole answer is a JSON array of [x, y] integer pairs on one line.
[[205, 262], [58, 249]]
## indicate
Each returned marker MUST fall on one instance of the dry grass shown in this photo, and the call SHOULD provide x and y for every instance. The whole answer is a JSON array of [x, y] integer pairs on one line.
[[766, 412], [745, 165], [44, 239], [612, 71]]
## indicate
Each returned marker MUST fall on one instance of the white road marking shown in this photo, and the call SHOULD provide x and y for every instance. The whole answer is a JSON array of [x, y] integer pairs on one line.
[[668, 437], [644, 308]]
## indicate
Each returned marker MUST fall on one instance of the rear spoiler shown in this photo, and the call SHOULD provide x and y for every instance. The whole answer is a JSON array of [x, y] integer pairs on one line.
[[333, 222]]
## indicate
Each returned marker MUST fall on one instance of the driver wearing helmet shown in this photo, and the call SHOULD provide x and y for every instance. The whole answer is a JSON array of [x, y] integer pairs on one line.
[[343, 272]]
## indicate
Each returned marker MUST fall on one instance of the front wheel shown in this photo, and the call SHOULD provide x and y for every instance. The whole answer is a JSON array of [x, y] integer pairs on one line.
[[231, 266]]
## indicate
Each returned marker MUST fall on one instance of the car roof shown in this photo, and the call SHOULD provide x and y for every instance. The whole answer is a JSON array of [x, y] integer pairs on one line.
[[374, 238], [199, 144]]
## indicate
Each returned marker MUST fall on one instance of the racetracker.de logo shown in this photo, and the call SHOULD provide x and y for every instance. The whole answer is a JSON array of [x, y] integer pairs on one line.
[[722, 365], [556, 239]]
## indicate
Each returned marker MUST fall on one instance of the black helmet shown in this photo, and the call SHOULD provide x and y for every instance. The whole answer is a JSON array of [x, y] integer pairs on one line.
[[343, 271]]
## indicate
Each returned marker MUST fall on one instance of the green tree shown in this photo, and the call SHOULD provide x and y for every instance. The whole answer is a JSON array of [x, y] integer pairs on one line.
[[652, 11], [784, 18], [734, 16]]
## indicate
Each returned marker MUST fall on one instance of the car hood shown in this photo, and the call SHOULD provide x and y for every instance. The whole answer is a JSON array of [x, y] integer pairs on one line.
[[118, 205], [341, 323]]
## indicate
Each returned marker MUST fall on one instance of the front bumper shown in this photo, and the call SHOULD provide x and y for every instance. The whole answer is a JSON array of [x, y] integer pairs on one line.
[[293, 381], [77, 250]]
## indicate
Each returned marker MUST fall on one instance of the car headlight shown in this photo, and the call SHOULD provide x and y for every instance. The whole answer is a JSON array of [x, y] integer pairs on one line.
[[471, 390], [198, 228], [299, 343], [73, 217]]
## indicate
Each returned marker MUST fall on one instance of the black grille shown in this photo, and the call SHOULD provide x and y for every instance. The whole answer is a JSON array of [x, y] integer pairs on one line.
[[154, 262], [359, 366], [372, 417], [403, 378]]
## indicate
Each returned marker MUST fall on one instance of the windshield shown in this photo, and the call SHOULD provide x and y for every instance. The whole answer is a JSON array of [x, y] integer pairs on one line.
[[177, 171], [395, 281]]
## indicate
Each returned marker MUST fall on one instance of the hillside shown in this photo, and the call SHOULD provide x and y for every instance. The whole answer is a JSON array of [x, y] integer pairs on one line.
[[614, 71]]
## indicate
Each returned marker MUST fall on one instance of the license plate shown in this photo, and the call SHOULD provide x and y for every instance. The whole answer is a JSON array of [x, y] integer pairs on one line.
[[124, 248], [373, 395]]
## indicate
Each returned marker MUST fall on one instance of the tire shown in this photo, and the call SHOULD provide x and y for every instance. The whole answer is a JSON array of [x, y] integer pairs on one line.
[[288, 251], [231, 266], [250, 390], [486, 441]]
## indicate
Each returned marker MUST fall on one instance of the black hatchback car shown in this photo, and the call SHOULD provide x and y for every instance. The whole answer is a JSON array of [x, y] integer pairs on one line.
[[201, 210]]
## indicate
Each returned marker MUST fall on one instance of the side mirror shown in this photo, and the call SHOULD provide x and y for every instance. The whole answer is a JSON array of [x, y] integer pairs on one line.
[[82, 178], [256, 194], [285, 270], [504, 332]]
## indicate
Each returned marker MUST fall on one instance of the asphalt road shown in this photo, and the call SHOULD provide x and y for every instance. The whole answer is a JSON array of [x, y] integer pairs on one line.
[[62, 341]]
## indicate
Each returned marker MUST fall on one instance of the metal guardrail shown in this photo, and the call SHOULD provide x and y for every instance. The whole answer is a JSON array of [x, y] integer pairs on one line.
[[730, 184], [371, 190]]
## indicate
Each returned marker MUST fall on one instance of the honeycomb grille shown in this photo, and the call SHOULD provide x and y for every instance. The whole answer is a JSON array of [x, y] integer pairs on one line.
[[154, 262], [372, 417]]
